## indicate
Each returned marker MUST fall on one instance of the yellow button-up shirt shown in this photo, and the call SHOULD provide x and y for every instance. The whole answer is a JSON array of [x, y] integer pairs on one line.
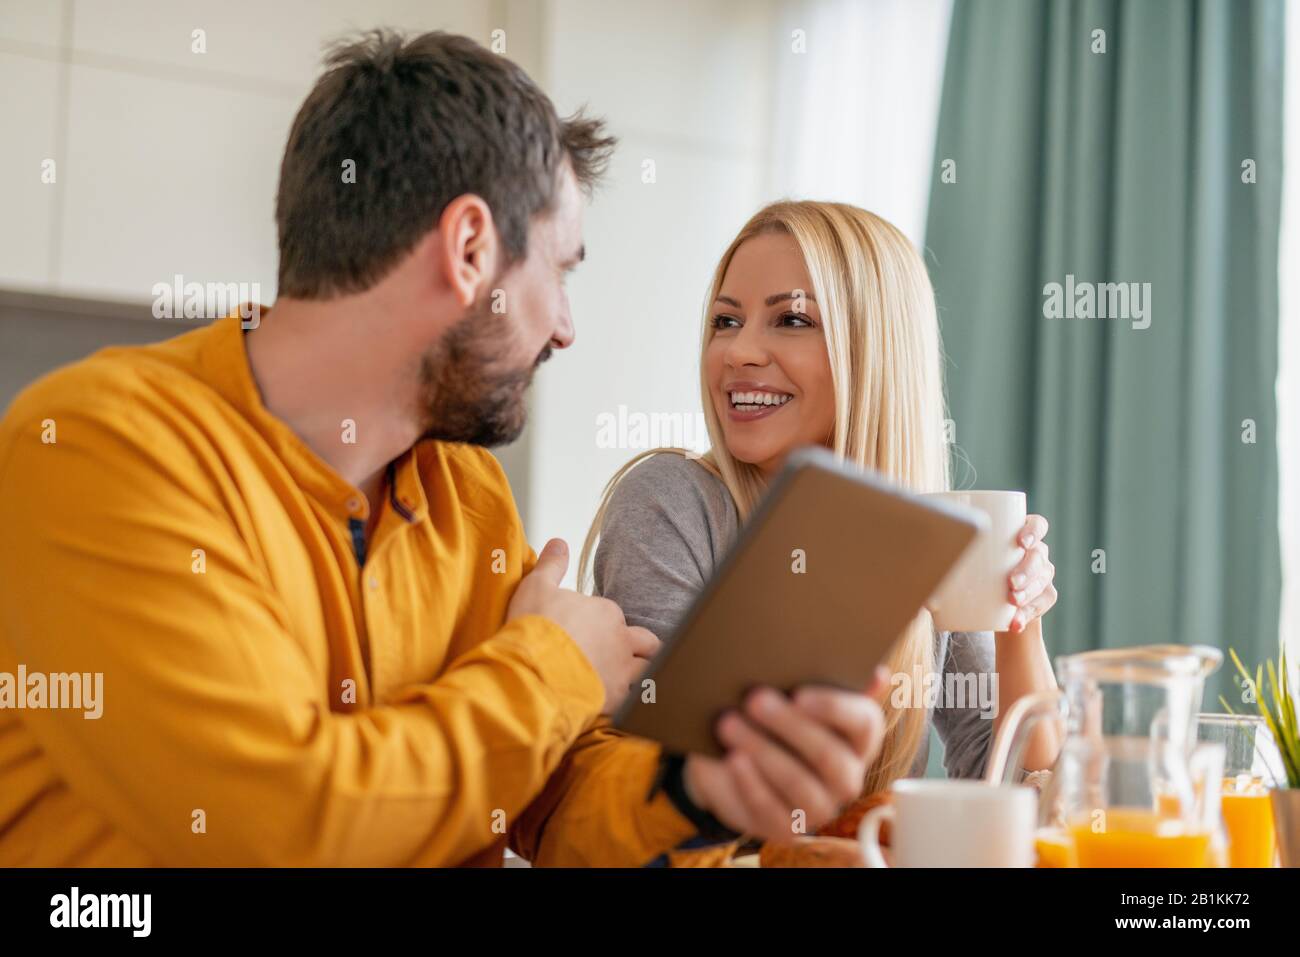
[[275, 690]]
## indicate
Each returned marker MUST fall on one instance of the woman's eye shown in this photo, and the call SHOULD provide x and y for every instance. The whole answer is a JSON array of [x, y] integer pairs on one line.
[[795, 319], [725, 322]]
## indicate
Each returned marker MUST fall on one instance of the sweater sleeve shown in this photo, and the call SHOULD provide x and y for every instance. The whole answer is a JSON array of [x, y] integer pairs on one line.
[[668, 523], [965, 725]]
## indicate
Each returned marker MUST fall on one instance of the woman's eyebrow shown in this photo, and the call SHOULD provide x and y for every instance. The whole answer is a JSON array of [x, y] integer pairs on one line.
[[771, 300], [783, 296]]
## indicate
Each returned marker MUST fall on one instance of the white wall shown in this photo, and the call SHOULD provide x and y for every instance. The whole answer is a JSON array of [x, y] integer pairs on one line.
[[857, 114], [166, 158]]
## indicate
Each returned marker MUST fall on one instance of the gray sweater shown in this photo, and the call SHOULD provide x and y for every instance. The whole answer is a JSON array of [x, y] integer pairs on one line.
[[670, 522]]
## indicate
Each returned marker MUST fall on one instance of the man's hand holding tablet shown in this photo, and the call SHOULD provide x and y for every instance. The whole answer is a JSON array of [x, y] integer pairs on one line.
[[808, 753]]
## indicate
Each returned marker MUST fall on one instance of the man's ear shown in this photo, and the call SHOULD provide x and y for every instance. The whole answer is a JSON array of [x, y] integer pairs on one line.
[[470, 247]]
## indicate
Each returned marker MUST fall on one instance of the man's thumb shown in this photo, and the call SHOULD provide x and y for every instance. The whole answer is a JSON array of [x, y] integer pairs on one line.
[[553, 562]]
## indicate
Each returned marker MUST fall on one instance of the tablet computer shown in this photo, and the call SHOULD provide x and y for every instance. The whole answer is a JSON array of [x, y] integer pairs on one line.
[[830, 569]]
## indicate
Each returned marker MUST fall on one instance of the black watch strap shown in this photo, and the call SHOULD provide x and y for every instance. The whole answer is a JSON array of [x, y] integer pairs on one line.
[[671, 780]]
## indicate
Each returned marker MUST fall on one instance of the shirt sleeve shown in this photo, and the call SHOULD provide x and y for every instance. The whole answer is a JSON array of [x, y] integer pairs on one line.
[[217, 744], [655, 552], [596, 811]]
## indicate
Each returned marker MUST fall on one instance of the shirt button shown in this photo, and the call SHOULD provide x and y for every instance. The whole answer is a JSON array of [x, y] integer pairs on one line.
[[374, 582], [354, 505]]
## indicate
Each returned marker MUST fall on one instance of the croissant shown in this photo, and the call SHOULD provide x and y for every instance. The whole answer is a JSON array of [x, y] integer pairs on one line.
[[834, 845], [850, 819]]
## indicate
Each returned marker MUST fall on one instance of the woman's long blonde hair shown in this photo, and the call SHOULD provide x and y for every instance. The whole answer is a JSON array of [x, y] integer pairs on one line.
[[882, 336]]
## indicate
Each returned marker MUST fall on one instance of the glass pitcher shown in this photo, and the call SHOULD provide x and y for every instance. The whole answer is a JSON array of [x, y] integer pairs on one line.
[[1131, 787]]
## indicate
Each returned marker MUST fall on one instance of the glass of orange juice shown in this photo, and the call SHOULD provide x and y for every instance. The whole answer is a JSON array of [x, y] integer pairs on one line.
[[1250, 757], [1053, 847]]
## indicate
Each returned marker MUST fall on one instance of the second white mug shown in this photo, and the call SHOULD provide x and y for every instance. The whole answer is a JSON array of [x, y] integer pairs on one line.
[[942, 823]]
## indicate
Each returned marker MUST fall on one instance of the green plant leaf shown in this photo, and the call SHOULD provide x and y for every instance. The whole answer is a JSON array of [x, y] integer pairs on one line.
[[1281, 719], [1279, 713]]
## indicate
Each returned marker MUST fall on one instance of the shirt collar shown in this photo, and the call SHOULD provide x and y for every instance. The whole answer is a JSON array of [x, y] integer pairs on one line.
[[225, 364]]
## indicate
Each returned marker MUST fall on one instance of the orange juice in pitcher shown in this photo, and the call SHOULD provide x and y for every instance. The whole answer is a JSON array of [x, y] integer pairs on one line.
[[1133, 837], [1132, 784]]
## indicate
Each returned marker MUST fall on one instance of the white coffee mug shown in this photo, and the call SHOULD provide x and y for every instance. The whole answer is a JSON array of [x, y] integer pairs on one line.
[[974, 596], [942, 823]]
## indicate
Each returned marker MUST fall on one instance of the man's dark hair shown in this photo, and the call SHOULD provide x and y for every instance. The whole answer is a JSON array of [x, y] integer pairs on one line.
[[422, 120]]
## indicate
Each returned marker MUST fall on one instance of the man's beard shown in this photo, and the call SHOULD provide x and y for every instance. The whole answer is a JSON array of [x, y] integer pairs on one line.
[[464, 397]]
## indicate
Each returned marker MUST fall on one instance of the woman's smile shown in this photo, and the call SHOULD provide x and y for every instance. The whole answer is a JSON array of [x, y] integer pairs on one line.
[[748, 401]]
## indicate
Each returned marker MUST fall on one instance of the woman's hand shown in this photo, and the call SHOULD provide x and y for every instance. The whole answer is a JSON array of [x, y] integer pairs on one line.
[[1030, 582]]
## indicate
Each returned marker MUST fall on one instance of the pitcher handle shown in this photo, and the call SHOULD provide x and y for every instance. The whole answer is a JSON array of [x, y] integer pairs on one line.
[[1206, 766], [1009, 745]]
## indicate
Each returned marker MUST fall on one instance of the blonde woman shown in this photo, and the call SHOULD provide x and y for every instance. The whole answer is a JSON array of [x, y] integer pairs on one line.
[[820, 329]]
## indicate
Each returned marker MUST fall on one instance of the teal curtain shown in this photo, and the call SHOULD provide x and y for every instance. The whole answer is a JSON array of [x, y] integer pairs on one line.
[[1121, 156]]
